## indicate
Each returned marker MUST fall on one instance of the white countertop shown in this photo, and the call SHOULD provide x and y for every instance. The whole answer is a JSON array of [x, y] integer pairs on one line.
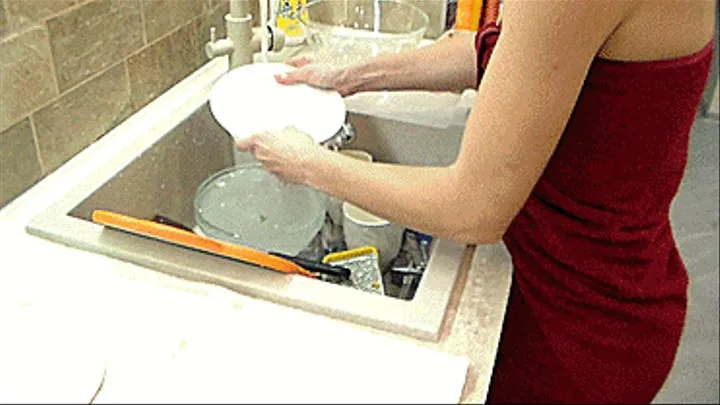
[[165, 339]]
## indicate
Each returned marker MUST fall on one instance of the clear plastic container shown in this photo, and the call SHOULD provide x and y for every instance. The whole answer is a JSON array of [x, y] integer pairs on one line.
[[248, 206], [344, 32]]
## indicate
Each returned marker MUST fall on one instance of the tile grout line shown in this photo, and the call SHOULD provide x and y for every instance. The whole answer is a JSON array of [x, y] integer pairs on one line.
[[5, 10], [53, 68], [141, 4], [67, 10], [36, 140], [129, 85]]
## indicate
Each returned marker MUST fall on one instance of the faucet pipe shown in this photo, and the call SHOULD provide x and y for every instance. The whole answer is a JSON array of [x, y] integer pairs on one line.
[[241, 42], [239, 31], [240, 9], [277, 41]]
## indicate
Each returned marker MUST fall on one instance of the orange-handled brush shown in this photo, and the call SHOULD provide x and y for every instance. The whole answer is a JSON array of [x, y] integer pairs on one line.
[[174, 235]]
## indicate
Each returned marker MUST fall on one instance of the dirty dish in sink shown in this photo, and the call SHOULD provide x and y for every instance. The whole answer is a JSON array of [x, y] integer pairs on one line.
[[247, 100], [248, 206]]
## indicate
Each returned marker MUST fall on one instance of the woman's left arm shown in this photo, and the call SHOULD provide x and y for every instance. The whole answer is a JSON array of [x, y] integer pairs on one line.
[[523, 103]]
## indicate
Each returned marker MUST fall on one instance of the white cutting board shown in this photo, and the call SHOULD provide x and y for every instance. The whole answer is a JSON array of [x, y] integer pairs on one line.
[[271, 354]]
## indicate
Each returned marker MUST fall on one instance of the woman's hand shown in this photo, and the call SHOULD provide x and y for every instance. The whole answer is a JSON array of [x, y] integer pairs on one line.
[[317, 75], [287, 153]]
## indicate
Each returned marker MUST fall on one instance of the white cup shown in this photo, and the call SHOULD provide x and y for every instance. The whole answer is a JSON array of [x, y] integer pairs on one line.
[[361, 228], [334, 205], [357, 154]]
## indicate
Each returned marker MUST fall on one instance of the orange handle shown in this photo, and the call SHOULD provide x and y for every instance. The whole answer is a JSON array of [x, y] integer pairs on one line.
[[181, 237], [468, 15]]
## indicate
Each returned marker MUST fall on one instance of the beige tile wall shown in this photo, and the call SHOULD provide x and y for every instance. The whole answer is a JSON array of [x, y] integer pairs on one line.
[[71, 70]]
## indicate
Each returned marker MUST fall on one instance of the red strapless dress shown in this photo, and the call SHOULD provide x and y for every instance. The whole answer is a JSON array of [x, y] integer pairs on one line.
[[599, 292]]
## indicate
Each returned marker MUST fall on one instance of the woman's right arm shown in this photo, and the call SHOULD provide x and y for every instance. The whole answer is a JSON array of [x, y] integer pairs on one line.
[[449, 64]]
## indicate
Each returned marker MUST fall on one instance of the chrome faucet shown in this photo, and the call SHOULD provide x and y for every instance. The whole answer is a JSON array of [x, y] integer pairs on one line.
[[241, 43]]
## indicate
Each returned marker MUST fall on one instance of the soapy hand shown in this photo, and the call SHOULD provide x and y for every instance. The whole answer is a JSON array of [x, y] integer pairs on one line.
[[317, 75], [285, 153]]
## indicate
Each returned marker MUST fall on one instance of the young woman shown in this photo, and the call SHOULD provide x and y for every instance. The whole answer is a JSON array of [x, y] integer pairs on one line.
[[572, 154]]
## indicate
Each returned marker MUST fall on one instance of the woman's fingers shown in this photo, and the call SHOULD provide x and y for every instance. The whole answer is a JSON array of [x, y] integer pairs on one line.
[[296, 76], [246, 144], [286, 78], [299, 62]]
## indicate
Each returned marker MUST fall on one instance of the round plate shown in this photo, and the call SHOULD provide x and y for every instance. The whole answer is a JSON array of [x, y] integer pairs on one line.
[[247, 100], [247, 205]]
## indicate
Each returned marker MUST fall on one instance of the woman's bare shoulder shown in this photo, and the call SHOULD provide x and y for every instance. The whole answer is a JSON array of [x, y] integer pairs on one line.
[[641, 29], [662, 29]]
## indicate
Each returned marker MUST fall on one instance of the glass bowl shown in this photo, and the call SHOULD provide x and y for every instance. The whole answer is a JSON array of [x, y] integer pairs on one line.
[[344, 32], [248, 206]]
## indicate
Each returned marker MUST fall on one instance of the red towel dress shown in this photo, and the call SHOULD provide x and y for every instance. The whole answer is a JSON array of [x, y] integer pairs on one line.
[[599, 291]]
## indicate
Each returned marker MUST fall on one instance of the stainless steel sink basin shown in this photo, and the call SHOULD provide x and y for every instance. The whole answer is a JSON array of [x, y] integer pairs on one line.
[[160, 169]]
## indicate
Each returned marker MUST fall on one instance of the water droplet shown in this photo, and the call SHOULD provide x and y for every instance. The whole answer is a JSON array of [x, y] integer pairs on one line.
[[236, 236], [222, 205], [221, 184]]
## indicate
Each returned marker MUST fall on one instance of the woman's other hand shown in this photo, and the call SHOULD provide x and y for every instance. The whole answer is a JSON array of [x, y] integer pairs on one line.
[[317, 75], [285, 153]]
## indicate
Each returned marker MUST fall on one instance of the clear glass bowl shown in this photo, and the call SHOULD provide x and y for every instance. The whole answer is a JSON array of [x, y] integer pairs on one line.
[[344, 32], [248, 206]]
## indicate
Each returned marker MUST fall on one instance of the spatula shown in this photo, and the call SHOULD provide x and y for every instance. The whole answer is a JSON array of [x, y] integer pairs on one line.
[[176, 236]]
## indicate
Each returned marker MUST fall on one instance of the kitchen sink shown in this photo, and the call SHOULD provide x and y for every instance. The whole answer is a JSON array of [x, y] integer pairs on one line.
[[174, 144]]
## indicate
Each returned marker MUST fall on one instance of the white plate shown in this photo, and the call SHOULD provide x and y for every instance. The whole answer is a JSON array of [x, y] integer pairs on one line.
[[247, 100]]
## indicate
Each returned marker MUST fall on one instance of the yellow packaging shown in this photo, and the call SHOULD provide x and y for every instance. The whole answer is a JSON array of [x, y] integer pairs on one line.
[[288, 14], [468, 15]]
